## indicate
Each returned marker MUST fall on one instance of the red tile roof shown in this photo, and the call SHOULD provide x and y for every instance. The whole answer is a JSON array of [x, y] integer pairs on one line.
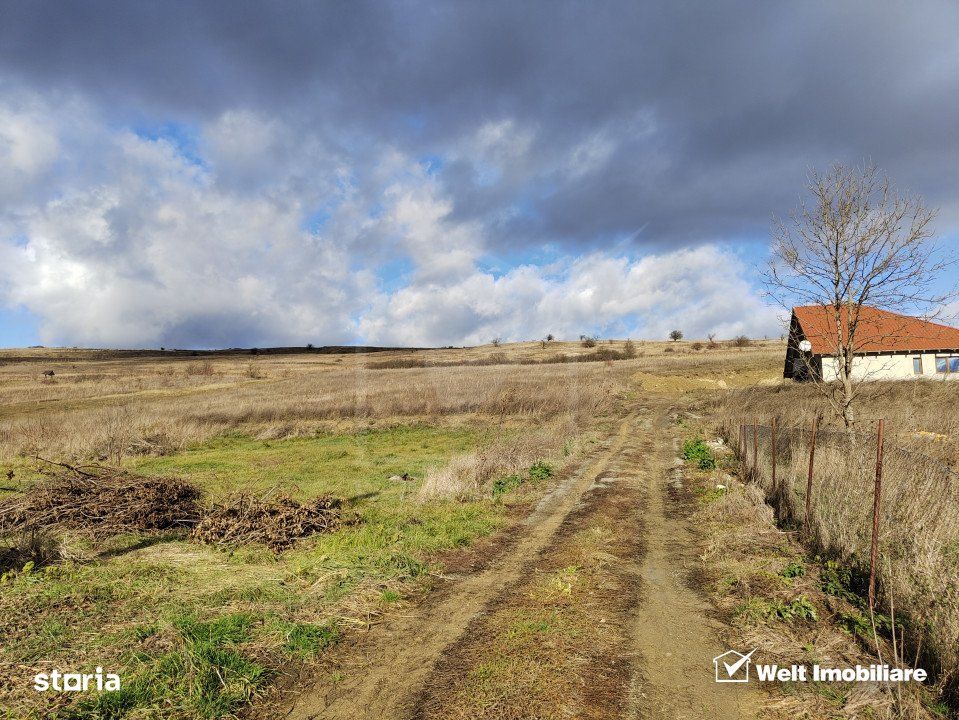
[[877, 331]]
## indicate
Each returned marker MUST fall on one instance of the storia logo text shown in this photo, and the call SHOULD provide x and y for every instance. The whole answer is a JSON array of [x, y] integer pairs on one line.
[[76, 682]]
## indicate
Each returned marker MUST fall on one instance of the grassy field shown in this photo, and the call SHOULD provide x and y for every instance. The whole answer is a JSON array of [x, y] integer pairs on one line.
[[199, 631]]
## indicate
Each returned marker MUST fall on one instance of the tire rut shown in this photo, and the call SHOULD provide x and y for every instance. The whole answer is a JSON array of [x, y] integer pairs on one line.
[[386, 674]]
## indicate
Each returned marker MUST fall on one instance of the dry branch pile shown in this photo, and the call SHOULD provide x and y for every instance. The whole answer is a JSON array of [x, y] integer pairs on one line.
[[102, 501], [277, 523]]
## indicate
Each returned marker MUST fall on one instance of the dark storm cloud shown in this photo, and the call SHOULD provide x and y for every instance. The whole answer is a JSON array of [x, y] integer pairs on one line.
[[705, 116]]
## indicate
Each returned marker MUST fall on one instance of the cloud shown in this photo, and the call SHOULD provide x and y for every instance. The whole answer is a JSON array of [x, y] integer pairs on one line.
[[211, 174], [701, 291]]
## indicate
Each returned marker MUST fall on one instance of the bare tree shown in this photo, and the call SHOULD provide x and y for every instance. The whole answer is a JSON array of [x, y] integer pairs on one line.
[[675, 335], [859, 242]]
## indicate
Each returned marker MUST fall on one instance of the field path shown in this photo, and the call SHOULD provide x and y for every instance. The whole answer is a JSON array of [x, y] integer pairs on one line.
[[654, 660], [674, 634]]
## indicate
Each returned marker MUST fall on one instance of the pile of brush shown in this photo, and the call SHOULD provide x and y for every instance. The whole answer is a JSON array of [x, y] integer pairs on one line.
[[276, 522], [101, 501]]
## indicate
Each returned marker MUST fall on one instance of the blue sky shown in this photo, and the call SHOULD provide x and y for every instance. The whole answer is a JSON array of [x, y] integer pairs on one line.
[[18, 328]]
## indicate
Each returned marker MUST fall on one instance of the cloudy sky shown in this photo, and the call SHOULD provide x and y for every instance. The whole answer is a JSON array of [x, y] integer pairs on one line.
[[207, 174]]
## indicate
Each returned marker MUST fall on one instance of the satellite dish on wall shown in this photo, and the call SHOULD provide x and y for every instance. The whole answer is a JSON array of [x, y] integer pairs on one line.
[[805, 345]]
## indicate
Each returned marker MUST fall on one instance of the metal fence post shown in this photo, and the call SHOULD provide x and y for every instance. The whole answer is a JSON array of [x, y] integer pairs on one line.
[[874, 549], [812, 458]]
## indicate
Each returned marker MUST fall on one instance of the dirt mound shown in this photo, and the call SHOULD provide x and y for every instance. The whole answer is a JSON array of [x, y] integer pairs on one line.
[[101, 501], [277, 522]]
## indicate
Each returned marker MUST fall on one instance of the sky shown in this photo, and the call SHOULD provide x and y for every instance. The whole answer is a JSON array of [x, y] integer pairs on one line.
[[222, 174]]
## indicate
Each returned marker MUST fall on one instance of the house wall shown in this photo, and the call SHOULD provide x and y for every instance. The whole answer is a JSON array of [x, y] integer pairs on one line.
[[886, 367]]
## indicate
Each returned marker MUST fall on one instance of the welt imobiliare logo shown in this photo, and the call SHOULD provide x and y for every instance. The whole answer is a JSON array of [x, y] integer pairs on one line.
[[737, 667]]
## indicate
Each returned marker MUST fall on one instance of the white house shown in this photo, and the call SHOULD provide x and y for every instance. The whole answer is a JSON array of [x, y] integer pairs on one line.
[[888, 346]]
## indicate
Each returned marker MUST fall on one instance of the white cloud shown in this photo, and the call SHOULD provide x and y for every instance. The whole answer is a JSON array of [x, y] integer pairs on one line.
[[700, 291], [133, 242]]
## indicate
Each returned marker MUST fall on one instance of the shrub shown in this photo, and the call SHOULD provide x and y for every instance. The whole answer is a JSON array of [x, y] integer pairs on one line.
[[741, 341], [697, 346], [675, 335], [588, 341], [629, 349]]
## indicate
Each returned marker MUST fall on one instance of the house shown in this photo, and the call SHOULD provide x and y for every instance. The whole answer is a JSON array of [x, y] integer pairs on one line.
[[887, 346]]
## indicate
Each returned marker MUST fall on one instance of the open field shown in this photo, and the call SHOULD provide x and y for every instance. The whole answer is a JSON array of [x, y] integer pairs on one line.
[[510, 516]]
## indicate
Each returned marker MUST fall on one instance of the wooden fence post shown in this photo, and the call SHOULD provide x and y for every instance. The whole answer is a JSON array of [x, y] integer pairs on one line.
[[874, 550], [812, 458], [755, 448], [773, 452]]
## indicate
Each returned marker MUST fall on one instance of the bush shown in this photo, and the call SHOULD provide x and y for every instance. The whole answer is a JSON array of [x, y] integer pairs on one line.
[[629, 349], [589, 342], [697, 346], [741, 341]]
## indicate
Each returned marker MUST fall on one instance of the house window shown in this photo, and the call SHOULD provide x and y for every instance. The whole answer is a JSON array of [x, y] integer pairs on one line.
[[947, 364], [917, 365]]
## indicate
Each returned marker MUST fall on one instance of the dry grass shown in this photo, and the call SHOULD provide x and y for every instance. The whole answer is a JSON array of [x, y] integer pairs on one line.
[[752, 569], [106, 408], [109, 408]]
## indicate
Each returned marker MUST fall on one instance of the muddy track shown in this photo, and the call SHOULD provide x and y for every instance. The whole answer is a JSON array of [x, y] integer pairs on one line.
[[392, 663], [652, 658]]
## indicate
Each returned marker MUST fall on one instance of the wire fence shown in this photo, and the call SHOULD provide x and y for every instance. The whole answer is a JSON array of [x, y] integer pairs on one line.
[[855, 495]]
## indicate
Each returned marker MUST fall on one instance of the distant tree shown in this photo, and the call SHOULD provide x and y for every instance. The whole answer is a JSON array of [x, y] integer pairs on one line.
[[309, 346], [675, 335], [550, 338], [589, 341], [859, 242], [496, 341]]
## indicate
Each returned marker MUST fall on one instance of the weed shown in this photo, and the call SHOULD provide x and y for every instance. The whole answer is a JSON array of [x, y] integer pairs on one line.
[[761, 609], [698, 452], [793, 569], [503, 485], [540, 470]]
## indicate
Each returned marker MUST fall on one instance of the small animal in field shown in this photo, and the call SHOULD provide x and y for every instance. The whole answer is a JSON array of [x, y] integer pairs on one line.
[[405, 477], [48, 373]]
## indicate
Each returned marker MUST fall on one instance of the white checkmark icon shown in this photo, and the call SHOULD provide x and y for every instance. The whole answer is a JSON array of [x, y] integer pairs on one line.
[[731, 669]]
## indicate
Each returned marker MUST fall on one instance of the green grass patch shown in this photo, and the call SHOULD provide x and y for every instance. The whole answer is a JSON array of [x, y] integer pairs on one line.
[[698, 452], [179, 621], [537, 472]]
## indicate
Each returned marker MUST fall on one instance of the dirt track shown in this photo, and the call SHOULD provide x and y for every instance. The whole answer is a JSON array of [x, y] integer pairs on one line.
[[653, 659]]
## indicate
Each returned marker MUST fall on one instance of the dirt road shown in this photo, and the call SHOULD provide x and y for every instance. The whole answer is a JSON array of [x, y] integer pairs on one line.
[[586, 611]]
